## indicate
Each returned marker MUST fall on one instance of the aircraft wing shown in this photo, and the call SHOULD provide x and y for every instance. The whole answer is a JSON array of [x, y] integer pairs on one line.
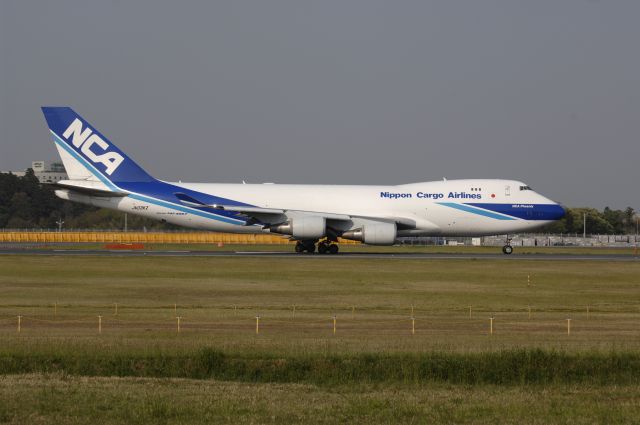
[[279, 215], [257, 211]]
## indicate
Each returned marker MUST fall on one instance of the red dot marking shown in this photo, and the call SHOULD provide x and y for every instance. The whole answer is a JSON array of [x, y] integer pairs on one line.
[[493, 195]]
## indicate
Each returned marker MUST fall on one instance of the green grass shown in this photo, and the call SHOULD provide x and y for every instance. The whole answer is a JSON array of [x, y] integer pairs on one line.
[[499, 368], [58, 369]]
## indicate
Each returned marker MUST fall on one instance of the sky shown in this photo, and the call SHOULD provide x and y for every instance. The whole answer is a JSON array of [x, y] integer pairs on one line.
[[338, 92]]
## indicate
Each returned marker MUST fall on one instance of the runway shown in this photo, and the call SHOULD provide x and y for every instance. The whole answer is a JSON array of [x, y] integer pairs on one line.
[[338, 257]]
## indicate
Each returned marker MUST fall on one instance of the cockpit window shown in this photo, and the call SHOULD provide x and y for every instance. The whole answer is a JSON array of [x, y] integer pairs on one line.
[[525, 188]]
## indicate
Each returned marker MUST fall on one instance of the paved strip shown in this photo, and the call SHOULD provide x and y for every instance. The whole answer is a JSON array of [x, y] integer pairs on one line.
[[284, 254]]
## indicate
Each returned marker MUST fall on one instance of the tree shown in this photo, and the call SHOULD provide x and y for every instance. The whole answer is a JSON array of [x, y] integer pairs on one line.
[[630, 220], [20, 207], [25, 203], [615, 218]]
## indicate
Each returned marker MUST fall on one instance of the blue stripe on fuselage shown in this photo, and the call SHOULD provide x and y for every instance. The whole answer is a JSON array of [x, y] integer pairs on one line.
[[165, 194], [473, 210], [542, 212]]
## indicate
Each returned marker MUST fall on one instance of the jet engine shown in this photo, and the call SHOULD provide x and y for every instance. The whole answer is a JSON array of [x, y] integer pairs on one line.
[[374, 234], [303, 228]]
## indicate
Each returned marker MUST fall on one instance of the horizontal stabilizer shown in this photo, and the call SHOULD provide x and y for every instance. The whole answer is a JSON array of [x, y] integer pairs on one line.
[[89, 187]]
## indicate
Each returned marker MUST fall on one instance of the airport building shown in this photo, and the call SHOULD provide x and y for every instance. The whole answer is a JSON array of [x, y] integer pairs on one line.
[[45, 171]]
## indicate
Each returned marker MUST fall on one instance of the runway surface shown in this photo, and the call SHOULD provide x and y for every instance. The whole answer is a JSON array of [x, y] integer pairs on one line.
[[344, 255]]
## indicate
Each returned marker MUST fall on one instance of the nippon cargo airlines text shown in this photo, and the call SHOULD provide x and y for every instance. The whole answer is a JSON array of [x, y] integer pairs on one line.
[[425, 195]]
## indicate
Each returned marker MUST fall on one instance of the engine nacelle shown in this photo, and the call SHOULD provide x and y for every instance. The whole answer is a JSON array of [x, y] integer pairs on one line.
[[302, 228], [374, 234]]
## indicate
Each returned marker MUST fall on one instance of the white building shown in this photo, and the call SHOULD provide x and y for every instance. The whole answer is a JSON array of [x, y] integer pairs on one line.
[[45, 171]]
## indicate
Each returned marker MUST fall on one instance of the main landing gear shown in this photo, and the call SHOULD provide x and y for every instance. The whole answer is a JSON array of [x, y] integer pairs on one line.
[[305, 246], [507, 248], [327, 247], [324, 247]]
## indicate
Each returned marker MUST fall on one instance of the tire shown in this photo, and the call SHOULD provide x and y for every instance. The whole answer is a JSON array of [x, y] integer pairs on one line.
[[299, 248], [310, 247], [333, 249], [507, 249], [322, 248]]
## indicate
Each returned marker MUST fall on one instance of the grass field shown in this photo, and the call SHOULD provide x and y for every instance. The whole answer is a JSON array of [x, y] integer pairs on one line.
[[139, 369]]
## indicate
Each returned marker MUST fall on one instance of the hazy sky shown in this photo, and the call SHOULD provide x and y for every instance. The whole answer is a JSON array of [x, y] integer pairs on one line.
[[360, 92]]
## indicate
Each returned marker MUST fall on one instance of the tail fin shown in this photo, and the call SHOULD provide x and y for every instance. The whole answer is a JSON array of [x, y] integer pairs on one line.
[[86, 153]]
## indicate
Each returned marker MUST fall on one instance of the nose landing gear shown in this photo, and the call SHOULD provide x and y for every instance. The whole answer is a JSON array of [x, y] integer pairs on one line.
[[507, 248]]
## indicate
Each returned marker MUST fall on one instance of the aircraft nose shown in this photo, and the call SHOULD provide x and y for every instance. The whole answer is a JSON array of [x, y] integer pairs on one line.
[[550, 211], [558, 212]]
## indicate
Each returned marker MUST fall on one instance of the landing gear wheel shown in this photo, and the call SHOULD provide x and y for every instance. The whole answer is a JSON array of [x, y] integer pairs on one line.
[[322, 248], [299, 248], [333, 249], [507, 249], [309, 246]]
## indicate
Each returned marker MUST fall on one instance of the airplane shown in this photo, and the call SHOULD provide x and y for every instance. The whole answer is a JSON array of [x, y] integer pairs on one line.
[[315, 216]]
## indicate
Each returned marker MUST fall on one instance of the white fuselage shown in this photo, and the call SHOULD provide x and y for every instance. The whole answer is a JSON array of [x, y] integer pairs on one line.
[[444, 208]]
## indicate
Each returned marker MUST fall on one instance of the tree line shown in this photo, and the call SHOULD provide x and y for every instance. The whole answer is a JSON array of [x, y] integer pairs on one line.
[[27, 204], [605, 222]]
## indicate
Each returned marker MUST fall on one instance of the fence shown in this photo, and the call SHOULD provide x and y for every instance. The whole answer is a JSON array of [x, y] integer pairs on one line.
[[313, 321], [186, 237], [532, 240], [145, 237]]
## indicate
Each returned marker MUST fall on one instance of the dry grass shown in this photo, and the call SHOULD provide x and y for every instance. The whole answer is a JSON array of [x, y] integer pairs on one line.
[[65, 400], [218, 299]]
